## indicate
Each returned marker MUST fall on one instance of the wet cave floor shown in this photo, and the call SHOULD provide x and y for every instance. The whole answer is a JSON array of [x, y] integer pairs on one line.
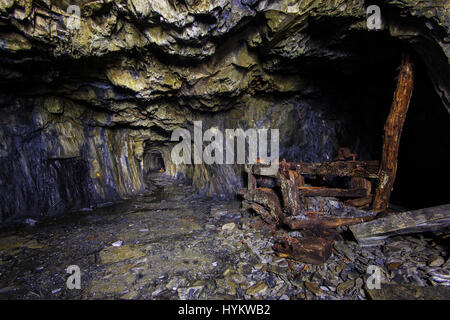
[[171, 244]]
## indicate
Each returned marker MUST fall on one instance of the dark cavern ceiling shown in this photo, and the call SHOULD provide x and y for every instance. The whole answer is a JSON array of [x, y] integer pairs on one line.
[[89, 104]]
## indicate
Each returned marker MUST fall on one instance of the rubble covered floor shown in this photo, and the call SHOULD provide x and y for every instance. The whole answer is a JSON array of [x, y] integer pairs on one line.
[[179, 246]]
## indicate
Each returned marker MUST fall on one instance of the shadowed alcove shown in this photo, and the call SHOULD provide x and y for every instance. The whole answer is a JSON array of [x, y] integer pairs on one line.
[[154, 162]]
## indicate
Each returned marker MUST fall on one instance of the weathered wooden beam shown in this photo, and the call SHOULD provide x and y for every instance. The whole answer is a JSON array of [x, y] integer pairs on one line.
[[332, 192], [256, 169], [392, 133], [264, 213], [429, 219], [362, 183], [363, 169], [290, 192], [268, 199], [359, 202], [394, 291], [311, 221], [251, 179]]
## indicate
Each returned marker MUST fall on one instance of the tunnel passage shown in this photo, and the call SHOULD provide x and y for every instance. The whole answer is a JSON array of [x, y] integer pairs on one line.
[[354, 100], [154, 162]]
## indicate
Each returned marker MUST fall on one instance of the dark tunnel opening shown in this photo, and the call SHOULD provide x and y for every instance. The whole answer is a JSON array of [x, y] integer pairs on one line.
[[154, 162]]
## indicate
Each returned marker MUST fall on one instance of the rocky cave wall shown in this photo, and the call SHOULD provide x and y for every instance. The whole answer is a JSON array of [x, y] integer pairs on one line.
[[80, 107]]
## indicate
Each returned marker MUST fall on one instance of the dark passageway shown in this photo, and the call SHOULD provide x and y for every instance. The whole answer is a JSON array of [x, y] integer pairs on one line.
[[154, 162]]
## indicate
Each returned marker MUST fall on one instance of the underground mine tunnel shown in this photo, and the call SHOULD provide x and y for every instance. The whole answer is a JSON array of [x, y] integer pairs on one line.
[[154, 162], [276, 150]]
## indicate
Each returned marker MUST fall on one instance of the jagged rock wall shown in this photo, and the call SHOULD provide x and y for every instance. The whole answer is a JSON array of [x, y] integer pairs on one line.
[[54, 159], [81, 105]]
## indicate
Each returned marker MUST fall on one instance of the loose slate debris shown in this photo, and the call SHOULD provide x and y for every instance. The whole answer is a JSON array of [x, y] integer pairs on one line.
[[236, 262]]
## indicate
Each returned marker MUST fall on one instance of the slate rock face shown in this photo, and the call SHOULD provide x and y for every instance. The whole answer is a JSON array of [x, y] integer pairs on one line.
[[81, 106]]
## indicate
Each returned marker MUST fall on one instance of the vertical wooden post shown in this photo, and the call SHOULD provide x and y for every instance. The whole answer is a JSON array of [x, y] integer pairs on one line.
[[289, 191], [392, 133], [251, 178]]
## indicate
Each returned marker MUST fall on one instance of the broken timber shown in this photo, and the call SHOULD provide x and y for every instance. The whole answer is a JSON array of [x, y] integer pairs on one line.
[[312, 250], [290, 192], [310, 221], [392, 133], [363, 169], [331, 192], [317, 249], [429, 219], [267, 204]]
